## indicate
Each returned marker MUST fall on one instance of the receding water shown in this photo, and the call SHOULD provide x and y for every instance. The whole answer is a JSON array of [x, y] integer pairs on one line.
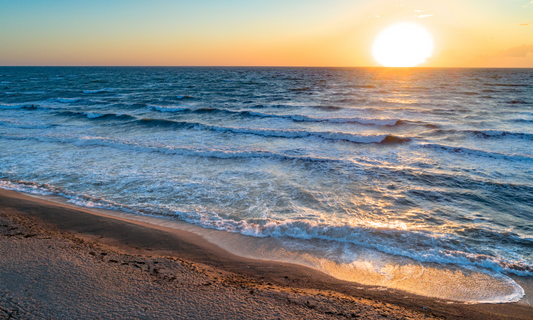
[[417, 179]]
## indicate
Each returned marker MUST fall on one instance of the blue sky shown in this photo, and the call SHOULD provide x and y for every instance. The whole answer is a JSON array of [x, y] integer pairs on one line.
[[235, 32]]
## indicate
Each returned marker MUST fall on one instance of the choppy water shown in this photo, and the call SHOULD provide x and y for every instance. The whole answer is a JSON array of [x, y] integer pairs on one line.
[[430, 165]]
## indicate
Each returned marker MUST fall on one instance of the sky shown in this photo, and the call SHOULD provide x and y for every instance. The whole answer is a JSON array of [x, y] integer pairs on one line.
[[336, 33]]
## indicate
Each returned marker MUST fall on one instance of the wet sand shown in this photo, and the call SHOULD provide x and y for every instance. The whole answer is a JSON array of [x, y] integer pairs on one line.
[[60, 261]]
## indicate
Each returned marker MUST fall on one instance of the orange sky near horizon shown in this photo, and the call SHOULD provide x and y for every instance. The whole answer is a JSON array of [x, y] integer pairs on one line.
[[490, 33]]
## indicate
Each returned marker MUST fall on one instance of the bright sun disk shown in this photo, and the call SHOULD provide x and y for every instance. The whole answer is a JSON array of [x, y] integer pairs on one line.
[[404, 44]]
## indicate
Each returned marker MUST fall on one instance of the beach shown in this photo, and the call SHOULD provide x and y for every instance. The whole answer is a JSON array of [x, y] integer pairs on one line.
[[266, 160], [59, 261]]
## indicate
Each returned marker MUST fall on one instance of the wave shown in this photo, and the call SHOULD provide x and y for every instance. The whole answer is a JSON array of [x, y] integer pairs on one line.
[[522, 120], [275, 106], [418, 245], [421, 246], [11, 124], [181, 97], [303, 89], [168, 109], [502, 237], [518, 102], [289, 106], [22, 106], [13, 106], [485, 134], [85, 141], [302, 118], [507, 85], [328, 108], [32, 92], [468, 93], [293, 117], [96, 115], [479, 153], [66, 100], [413, 174], [75, 198], [98, 90], [281, 133], [496, 134]]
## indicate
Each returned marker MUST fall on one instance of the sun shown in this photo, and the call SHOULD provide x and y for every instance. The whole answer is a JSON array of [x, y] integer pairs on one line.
[[403, 44]]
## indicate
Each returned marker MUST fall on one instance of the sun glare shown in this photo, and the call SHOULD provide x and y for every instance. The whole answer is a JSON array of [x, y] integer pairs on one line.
[[404, 44]]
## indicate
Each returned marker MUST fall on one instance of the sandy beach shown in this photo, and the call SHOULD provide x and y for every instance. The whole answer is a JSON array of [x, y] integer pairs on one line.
[[60, 261]]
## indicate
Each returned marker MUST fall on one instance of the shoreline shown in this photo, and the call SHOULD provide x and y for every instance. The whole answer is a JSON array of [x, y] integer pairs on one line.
[[129, 237]]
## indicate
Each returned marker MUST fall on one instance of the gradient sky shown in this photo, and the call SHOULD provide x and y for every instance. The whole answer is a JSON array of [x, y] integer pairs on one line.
[[468, 33]]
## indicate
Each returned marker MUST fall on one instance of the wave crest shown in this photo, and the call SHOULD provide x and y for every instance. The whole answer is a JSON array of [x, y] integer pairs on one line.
[[293, 117], [96, 115], [281, 133]]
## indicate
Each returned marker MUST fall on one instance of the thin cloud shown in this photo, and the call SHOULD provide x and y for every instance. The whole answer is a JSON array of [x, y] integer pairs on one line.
[[524, 24], [392, 4], [517, 52], [448, 54], [424, 15]]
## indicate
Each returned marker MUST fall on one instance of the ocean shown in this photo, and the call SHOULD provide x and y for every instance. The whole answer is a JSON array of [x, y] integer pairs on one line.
[[414, 179]]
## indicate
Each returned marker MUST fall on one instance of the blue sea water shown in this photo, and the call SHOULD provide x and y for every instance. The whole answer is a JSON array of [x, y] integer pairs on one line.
[[430, 165]]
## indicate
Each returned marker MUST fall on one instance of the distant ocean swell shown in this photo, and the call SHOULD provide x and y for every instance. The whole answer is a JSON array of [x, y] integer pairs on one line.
[[242, 113], [278, 133], [291, 133], [295, 117]]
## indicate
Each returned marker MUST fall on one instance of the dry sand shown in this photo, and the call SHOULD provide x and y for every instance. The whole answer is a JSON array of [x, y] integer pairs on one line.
[[57, 261]]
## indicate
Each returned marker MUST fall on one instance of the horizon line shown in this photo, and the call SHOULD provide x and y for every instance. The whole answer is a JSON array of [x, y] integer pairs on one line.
[[215, 66]]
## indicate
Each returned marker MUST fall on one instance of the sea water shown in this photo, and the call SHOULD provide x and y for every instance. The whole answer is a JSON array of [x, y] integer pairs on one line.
[[416, 179]]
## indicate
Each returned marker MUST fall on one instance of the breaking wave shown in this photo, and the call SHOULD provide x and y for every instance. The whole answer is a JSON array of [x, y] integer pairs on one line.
[[421, 246], [279, 133], [96, 115], [293, 117]]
